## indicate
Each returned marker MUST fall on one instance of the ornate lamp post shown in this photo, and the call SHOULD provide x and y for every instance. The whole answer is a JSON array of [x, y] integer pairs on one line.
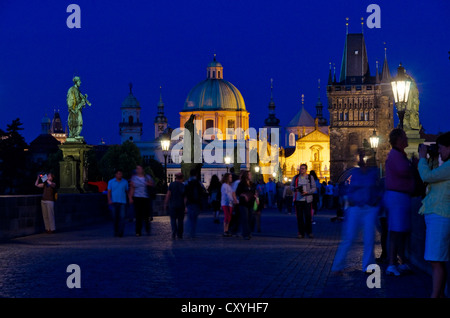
[[227, 160], [165, 145], [400, 88], [374, 140]]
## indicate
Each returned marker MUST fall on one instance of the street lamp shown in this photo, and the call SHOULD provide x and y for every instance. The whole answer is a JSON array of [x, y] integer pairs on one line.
[[227, 160], [165, 145], [374, 140], [400, 88], [257, 169]]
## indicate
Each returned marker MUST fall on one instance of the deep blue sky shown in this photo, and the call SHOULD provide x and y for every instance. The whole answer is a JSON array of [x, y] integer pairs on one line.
[[170, 43]]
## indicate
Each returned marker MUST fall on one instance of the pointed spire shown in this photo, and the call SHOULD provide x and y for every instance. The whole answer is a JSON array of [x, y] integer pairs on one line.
[[385, 73], [362, 25], [303, 100], [271, 89], [272, 120], [377, 75], [160, 116], [346, 25], [334, 77], [330, 79], [131, 88]]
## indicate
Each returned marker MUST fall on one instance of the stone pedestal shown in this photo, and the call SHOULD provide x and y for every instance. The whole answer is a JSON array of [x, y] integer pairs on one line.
[[414, 141], [73, 167]]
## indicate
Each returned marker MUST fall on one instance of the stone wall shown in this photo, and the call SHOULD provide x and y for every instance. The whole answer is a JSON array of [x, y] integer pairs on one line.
[[21, 215]]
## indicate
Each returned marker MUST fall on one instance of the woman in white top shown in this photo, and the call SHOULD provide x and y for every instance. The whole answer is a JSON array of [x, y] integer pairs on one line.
[[226, 202]]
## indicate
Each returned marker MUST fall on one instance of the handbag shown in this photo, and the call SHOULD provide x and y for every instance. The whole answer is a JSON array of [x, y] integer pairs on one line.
[[255, 205]]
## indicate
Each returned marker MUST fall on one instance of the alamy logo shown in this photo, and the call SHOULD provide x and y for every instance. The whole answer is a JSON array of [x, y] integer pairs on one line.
[[74, 279], [74, 19], [374, 279], [249, 146], [374, 20]]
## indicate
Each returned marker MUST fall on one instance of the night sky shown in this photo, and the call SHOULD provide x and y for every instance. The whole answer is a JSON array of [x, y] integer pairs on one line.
[[170, 43]]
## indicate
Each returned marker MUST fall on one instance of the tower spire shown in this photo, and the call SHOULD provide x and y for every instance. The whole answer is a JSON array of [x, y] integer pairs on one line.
[[272, 120], [346, 25], [362, 25], [330, 79], [385, 73]]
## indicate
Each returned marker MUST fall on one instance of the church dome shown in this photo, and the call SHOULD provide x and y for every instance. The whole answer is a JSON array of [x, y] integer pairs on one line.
[[214, 93], [130, 101]]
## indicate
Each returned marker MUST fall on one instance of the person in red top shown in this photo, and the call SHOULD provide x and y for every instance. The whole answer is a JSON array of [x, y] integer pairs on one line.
[[399, 185]]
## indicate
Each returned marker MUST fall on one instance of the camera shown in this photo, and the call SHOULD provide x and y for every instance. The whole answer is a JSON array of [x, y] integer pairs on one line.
[[432, 150], [43, 177], [300, 189]]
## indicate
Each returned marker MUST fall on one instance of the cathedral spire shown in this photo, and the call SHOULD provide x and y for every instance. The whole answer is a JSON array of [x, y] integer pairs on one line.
[[272, 120], [385, 73], [330, 79]]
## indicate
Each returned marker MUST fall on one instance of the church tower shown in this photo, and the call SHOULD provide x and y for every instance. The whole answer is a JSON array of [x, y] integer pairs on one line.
[[358, 104], [272, 121], [130, 126], [160, 119]]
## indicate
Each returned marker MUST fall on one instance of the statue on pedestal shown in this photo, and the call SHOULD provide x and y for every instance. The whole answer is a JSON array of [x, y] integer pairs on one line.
[[75, 103], [411, 121]]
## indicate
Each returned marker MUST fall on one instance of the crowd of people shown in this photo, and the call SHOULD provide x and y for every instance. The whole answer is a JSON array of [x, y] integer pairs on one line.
[[363, 201]]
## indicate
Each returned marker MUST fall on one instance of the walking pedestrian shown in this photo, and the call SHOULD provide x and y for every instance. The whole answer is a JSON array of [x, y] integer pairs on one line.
[[260, 201], [174, 201], [236, 215], [303, 187], [270, 190], [194, 191], [287, 197], [315, 195], [227, 202], [117, 200], [364, 195], [214, 192], [329, 195], [436, 208], [47, 200], [246, 194], [279, 195], [139, 196], [399, 184]]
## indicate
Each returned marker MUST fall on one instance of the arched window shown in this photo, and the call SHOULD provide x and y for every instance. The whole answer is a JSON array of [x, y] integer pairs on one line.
[[130, 120], [291, 139]]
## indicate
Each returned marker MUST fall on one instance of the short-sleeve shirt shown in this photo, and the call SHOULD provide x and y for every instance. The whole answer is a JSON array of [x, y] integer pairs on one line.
[[140, 185], [118, 190]]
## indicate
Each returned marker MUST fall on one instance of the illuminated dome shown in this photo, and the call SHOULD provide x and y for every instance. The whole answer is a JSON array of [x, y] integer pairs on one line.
[[214, 93]]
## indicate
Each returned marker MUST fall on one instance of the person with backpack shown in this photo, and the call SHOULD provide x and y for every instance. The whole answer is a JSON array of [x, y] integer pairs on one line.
[[303, 187], [193, 199]]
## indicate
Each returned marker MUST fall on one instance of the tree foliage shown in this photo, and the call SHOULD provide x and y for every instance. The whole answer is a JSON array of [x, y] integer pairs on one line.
[[12, 158], [124, 157]]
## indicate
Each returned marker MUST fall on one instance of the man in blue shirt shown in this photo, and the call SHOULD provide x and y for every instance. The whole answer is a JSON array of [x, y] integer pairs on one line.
[[117, 200]]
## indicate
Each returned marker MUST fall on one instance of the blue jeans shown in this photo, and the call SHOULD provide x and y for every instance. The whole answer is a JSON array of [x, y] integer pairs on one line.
[[118, 216], [193, 210], [357, 218]]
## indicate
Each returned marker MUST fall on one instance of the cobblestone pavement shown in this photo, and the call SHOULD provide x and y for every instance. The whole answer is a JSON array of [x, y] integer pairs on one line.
[[273, 264]]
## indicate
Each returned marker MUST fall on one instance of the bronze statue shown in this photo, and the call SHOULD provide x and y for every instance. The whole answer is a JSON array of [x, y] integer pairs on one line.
[[75, 103], [412, 121]]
